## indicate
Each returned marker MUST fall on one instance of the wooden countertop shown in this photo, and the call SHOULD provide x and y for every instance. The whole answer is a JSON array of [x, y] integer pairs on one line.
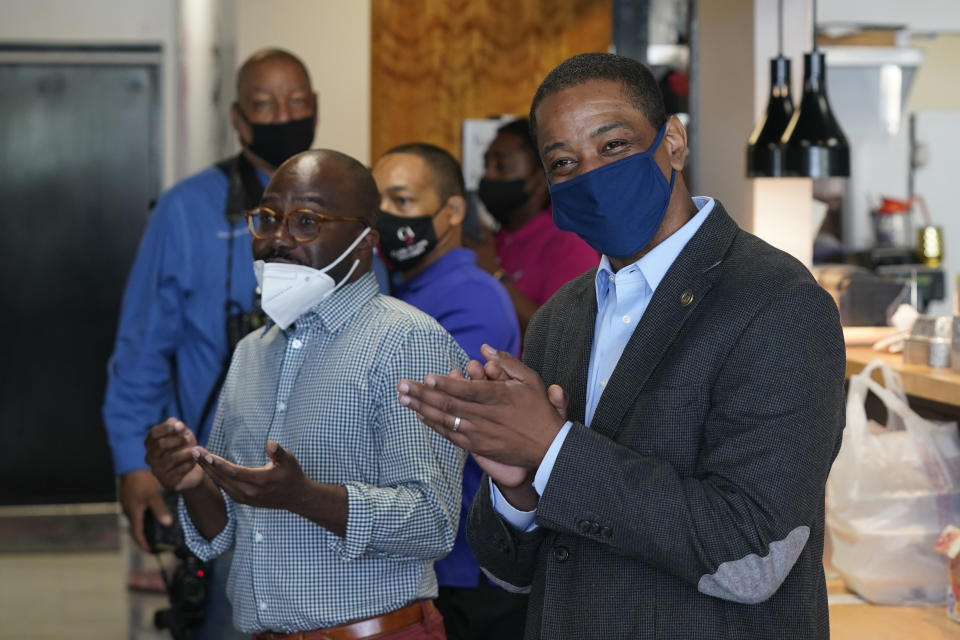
[[852, 618], [939, 385]]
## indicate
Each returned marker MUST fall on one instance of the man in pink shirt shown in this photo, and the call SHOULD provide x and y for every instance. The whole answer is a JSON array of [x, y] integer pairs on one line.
[[533, 257]]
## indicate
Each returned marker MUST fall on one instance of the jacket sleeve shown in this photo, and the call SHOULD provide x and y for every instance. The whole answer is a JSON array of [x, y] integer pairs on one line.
[[139, 372], [508, 556], [735, 527]]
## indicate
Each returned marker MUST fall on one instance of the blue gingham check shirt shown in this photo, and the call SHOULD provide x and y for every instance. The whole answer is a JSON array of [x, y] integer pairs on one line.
[[325, 390]]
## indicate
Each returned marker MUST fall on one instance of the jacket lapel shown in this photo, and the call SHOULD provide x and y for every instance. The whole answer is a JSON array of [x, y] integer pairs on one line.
[[572, 363], [677, 297]]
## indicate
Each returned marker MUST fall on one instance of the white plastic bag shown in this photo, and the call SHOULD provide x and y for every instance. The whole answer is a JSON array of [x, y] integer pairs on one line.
[[890, 492]]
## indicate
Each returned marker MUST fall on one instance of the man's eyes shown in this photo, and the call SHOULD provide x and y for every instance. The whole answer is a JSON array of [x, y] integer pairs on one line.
[[306, 220], [613, 144]]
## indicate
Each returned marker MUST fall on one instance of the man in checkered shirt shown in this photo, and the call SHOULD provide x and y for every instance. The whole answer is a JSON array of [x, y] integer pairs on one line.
[[336, 499]]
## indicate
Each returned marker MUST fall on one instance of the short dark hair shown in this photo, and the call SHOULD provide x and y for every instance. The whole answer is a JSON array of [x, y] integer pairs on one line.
[[446, 173], [521, 128], [637, 80]]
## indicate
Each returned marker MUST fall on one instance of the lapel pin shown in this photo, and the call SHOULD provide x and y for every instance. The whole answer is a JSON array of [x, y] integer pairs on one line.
[[686, 299]]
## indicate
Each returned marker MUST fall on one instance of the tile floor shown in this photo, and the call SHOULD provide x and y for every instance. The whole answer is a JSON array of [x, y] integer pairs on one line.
[[55, 596]]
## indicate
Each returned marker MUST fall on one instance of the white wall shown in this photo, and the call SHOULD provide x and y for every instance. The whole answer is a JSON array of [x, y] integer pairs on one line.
[[333, 38], [937, 84], [105, 22], [204, 135], [737, 40], [916, 15]]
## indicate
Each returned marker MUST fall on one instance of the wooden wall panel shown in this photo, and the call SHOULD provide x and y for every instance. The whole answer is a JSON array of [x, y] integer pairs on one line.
[[436, 62]]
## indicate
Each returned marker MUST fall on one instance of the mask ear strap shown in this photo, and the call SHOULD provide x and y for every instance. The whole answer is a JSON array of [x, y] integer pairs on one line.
[[353, 245], [345, 278], [656, 143]]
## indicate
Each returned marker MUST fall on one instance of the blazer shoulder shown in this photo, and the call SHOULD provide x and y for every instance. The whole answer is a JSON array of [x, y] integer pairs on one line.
[[757, 269], [573, 290]]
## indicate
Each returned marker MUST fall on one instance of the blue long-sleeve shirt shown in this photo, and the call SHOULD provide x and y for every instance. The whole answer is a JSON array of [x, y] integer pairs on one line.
[[171, 339], [476, 309]]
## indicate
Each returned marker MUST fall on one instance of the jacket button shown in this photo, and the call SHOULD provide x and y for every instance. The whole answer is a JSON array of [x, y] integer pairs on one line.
[[606, 532], [584, 527], [560, 554], [686, 299]]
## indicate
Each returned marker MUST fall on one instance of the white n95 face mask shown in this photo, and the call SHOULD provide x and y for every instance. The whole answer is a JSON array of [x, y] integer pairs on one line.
[[287, 291]]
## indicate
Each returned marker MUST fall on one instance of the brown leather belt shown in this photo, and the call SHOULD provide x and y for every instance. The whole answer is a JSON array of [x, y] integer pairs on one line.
[[388, 623]]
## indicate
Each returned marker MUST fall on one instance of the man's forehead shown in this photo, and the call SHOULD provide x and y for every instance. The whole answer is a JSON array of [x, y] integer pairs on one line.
[[598, 107], [505, 143], [308, 178], [412, 169], [264, 75]]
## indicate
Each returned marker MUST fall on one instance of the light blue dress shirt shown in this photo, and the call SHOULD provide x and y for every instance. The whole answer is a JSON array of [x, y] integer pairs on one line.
[[622, 298]]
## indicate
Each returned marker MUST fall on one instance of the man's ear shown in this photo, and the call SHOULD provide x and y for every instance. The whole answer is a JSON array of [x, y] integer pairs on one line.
[[316, 109], [456, 210], [240, 125], [675, 143], [370, 241]]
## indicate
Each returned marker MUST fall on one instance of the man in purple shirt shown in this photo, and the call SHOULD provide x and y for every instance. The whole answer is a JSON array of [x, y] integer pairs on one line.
[[422, 210]]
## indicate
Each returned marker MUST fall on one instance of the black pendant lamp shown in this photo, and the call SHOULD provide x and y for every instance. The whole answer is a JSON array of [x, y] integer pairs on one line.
[[764, 154], [813, 143]]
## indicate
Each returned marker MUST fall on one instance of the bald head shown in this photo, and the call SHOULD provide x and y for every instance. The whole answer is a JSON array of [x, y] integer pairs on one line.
[[271, 54], [343, 182]]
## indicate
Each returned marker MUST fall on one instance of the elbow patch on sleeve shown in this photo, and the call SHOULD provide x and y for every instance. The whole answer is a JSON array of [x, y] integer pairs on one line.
[[752, 579]]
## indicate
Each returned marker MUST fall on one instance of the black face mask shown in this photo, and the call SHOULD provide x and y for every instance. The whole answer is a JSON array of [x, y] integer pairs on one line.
[[406, 241], [275, 143], [502, 197]]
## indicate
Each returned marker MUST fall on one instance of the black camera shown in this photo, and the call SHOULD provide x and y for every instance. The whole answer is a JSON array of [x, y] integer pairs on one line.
[[187, 588]]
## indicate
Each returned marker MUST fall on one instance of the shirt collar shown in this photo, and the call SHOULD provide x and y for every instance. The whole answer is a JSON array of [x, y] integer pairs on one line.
[[445, 264], [655, 264]]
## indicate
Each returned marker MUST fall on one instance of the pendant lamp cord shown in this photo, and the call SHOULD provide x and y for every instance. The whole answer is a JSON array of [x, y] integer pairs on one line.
[[814, 25], [780, 27]]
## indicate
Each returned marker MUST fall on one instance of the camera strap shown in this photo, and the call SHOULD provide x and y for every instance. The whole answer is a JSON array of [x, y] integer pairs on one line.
[[244, 191]]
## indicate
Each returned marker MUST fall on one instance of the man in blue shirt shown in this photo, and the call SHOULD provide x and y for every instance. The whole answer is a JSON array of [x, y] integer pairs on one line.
[[422, 209], [193, 277]]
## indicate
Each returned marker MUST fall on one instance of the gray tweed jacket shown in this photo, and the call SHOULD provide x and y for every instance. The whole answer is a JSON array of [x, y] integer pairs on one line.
[[694, 506]]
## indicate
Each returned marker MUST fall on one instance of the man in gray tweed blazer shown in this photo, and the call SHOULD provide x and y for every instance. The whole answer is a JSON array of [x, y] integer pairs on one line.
[[657, 463]]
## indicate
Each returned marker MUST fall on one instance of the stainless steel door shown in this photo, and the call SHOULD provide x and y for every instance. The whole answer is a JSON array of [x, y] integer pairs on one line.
[[79, 165]]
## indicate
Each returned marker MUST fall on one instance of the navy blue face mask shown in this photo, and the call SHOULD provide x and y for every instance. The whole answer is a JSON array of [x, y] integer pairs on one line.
[[616, 208]]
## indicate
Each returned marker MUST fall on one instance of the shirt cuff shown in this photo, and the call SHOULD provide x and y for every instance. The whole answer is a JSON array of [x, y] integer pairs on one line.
[[550, 458], [200, 546], [360, 515], [521, 520]]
